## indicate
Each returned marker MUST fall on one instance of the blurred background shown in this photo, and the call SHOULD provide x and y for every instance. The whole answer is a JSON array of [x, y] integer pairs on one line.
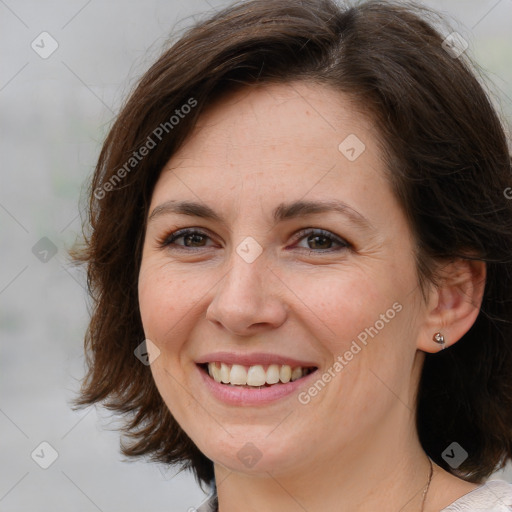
[[66, 67]]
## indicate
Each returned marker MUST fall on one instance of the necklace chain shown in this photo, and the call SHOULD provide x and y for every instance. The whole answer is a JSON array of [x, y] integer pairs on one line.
[[427, 486], [425, 490]]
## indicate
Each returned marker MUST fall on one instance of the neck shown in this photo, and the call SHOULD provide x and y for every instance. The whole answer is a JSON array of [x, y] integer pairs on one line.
[[385, 471]]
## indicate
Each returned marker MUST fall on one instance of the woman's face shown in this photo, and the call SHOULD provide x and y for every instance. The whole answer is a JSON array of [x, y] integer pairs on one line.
[[296, 254]]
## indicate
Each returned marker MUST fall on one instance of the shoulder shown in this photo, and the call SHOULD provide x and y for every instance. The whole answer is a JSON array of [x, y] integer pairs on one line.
[[493, 496], [210, 504]]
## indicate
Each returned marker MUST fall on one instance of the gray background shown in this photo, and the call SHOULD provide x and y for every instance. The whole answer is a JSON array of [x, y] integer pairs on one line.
[[55, 113]]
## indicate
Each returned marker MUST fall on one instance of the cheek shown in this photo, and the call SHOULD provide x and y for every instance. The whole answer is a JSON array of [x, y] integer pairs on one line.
[[165, 297], [340, 304], [364, 325]]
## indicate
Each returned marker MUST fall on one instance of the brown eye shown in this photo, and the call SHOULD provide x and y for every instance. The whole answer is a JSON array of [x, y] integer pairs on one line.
[[319, 240], [191, 238]]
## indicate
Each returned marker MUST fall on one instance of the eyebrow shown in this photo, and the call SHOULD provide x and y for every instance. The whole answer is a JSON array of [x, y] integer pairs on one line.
[[284, 211]]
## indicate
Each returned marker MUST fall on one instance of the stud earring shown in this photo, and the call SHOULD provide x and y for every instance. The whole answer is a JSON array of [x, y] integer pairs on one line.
[[439, 339]]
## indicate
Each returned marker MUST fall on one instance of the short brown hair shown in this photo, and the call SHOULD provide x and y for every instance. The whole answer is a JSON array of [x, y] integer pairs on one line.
[[447, 160]]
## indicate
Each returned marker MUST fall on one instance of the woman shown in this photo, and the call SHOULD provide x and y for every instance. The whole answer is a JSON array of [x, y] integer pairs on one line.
[[300, 255]]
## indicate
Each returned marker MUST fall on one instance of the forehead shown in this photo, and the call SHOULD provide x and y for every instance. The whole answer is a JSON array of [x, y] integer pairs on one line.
[[263, 131], [260, 146], [299, 115]]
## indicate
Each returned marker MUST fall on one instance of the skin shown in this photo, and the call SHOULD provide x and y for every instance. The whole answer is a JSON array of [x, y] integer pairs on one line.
[[354, 446]]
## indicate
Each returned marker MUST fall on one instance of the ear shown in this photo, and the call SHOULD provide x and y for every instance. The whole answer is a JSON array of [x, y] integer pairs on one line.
[[453, 303]]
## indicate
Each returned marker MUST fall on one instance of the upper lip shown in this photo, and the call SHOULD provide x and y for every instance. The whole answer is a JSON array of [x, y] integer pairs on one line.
[[253, 359]]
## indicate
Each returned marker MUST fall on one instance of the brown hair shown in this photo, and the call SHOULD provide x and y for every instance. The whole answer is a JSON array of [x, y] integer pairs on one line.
[[448, 162]]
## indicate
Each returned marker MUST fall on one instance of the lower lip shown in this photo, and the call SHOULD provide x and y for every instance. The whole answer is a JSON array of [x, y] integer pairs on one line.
[[238, 395]]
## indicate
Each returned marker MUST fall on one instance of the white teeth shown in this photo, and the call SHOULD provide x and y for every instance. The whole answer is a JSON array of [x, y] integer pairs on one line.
[[238, 375], [285, 373], [224, 373], [296, 373], [272, 374], [215, 372], [254, 375]]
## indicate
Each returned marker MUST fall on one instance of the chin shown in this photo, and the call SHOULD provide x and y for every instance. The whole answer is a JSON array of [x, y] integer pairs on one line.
[[252, 451]]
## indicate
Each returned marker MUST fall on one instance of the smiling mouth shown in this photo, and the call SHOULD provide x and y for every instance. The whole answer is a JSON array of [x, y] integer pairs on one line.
[[255, 376]]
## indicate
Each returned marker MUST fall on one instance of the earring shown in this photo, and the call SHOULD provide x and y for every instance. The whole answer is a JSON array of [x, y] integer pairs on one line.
[[439, 338]]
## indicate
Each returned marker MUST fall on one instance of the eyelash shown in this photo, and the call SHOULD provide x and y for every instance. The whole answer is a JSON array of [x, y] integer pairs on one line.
[[169, 240]]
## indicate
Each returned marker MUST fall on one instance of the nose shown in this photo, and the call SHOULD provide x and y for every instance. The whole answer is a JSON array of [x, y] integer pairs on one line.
[[246, 299]]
